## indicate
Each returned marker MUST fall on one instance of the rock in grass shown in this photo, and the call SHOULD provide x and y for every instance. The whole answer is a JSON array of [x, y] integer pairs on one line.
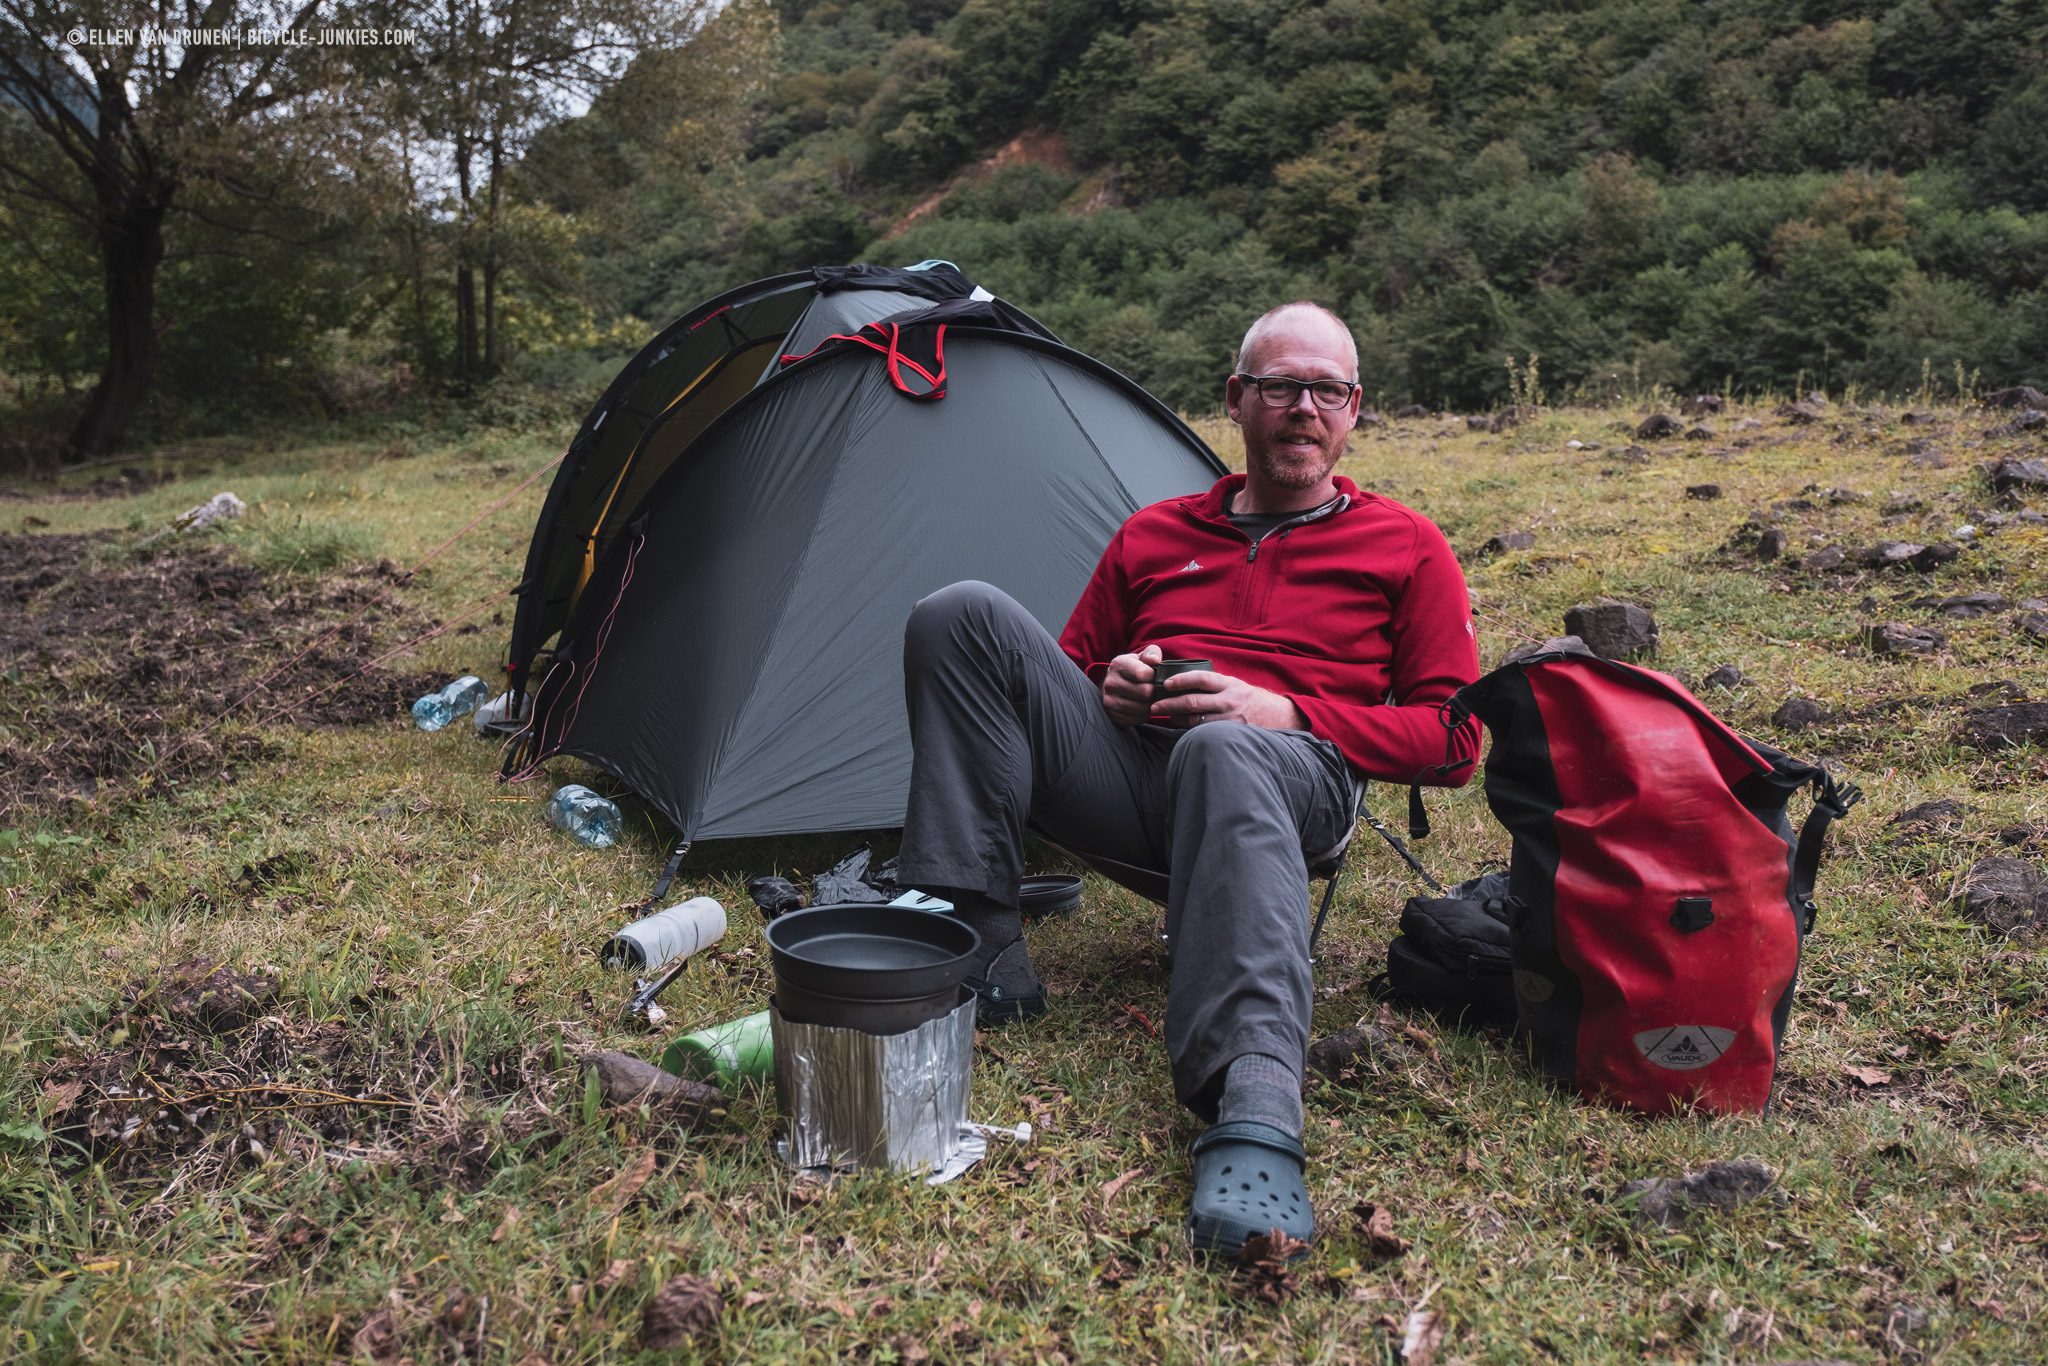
[[1666, 1202], [2006, 727], [1770, 544], [1361, 1046], [1701, 432], [1827, 559], [1701, 405], [1507, 541], [1542, 647], [626, 1080], [2033, 624], [1889, 554], [2006, 895], [1727, 676], [1942, 816], [1965, 605], [1705, 493], [1798, 414], [1657, 426], [1412, 410], [1797, 713], [2018, 396], [1937, 555], [1896, 638], [2019, 476], [1614, 630]]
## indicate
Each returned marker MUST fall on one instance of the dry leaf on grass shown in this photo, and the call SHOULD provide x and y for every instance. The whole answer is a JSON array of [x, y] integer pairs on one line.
[[681, 1312], [460, 1310], [620, 1190], [1114, 1186], [506, 1224], [1869, 1076], [61, 1096], [1421, 1336], [622, 1271], [1376, 1222], [1115, 1274], [377, 1339], [1263, 1267]]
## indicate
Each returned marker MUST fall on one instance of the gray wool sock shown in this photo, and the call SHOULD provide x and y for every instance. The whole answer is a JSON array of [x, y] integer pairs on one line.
[[1262, 1088], [1003, 959]]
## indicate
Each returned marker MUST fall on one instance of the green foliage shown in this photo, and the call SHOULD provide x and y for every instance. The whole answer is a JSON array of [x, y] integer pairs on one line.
[[1642, 191], [296, 544]]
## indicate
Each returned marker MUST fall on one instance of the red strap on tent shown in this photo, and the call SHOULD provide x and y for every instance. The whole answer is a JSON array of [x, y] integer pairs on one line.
[[892, 351]]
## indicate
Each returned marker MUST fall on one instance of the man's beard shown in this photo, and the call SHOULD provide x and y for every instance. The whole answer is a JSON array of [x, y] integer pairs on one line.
[[1283, 469]]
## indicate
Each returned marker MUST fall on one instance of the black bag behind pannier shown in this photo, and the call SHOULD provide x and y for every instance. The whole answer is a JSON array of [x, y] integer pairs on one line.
[[1451, 957]]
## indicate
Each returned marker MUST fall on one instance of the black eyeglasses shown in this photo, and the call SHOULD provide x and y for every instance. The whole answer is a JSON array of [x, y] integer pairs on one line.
[[1281, 391]]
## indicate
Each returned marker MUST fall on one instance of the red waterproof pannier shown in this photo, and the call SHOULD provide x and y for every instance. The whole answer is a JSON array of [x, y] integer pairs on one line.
[[1658, 897]]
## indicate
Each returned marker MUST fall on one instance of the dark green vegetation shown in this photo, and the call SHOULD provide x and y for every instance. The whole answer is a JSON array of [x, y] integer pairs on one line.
[[1695, 195], [401, 934], [1737, 196]]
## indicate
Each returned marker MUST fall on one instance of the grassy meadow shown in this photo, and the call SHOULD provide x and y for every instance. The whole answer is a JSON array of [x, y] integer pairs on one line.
[[184, 1177]]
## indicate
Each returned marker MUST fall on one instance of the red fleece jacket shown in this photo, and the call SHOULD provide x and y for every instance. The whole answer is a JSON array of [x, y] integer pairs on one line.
[[1361, 617]]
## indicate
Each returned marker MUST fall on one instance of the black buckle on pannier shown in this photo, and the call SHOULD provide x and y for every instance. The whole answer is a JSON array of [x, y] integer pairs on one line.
[[1693, 913]]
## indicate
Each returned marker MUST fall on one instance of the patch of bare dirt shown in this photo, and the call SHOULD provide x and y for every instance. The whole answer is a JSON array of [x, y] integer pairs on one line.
[[114, 667], [1033, 147], [198, 1069]]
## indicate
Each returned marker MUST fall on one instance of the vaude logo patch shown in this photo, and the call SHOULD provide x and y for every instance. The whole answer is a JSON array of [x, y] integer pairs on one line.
[[1681, 1048], [1533, 988]]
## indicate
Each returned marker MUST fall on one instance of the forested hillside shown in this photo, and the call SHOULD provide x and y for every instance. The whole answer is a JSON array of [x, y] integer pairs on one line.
[[1747, 194], [1639, 191]]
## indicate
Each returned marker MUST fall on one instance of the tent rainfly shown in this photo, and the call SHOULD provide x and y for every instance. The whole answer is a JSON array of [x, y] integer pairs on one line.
[[732, 545]]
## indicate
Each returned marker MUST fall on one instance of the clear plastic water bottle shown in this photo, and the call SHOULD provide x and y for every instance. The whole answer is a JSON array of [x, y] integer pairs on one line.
[[432, 711], [584, 816], [459, 698], [465, 695]]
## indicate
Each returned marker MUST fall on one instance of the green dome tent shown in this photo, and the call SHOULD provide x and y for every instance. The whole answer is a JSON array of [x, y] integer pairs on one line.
[[737, 536]]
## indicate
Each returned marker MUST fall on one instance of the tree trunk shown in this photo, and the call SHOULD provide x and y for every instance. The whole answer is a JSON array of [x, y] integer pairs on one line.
[[423, 341], [131, 247], [491, 256], [465, 273]]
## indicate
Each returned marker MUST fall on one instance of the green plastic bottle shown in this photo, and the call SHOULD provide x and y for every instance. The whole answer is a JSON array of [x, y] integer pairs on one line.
[[724, 1052]]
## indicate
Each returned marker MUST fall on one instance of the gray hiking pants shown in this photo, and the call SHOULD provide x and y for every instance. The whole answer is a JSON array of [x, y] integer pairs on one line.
[[1006, 730]]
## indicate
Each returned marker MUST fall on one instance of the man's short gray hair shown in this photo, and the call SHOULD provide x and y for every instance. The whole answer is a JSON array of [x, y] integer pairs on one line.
[[1271, 319]]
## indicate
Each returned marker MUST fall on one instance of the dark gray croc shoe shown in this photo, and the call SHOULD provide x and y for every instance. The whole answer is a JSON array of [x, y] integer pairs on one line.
[[1010, 991], [1247, 1183]]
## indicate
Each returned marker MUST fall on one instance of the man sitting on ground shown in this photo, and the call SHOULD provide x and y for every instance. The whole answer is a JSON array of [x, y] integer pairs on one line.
[[1335, 621]]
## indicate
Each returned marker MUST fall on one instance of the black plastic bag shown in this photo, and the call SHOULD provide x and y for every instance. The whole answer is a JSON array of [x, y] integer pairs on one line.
[[850, 881]]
